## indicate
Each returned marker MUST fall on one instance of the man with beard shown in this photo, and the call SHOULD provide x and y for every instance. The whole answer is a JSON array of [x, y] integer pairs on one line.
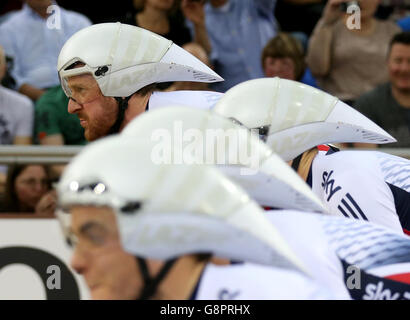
[[109, 72], [389, 104]]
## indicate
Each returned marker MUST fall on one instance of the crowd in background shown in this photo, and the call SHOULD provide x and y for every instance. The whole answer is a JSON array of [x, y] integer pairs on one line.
[[312, 41]]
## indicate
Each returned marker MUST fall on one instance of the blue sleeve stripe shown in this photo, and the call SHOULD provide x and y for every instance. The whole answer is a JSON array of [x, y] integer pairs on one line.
[[356, 206], [350, 209], [343, 212]]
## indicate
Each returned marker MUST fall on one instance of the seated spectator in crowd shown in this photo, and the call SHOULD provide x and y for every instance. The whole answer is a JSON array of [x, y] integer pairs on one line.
[[16, 113], [237, 31], [28, 190], [33, 37], [161, 17], [16, 117], [388, 105], [196, 50], [346, 54], [283, 57]]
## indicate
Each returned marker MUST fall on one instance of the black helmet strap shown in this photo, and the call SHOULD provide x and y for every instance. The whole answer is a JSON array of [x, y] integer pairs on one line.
[[122, 106], [151, 284]]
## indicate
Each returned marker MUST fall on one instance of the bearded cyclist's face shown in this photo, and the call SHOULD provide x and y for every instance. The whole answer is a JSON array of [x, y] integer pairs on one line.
[[108, 270], [96, 113]]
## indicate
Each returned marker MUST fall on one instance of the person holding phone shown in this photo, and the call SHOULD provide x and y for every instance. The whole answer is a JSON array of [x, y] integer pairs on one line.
[[348, 48]]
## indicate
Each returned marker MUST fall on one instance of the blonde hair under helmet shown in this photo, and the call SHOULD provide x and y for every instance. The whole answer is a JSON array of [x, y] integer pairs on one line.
[[124, 58], [297, 117]]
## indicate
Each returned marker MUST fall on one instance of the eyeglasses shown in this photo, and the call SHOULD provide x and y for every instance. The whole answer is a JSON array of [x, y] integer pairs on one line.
[[87, 99], [93, 234]]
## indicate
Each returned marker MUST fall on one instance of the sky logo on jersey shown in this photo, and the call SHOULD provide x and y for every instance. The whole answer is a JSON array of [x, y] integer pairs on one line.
[[328, 185], [377, 292]]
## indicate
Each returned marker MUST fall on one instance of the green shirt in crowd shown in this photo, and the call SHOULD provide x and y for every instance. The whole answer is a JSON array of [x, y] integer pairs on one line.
[[52, 117]]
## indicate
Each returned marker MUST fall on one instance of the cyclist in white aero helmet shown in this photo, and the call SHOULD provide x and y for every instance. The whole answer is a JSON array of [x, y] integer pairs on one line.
[[297, 119], [214, 140], [109, 72], [172, 218]]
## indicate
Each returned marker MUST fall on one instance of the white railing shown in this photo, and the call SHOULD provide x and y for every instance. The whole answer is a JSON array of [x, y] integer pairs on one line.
[[37, 154], [62, 154]]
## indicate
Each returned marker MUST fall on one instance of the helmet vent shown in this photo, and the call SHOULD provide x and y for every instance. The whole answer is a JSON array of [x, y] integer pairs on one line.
[[131, 207], [101, 71]]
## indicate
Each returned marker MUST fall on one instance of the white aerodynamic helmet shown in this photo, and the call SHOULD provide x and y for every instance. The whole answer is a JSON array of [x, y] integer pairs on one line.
[[169, 210], [124, 58], [295, 117], [209, 138]]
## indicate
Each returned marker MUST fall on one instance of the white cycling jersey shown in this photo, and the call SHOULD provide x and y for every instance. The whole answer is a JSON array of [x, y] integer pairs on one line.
[[348, 256], [198, 99], [247, 281], [364, 185]]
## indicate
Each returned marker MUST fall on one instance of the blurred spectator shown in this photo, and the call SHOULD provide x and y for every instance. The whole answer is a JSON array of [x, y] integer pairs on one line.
[[162, 17], [28, 190], [33, 37], [346, 53], [389, 104], [16, 113], [16, 117], [283, 57], [196, 50], [237, 31]]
